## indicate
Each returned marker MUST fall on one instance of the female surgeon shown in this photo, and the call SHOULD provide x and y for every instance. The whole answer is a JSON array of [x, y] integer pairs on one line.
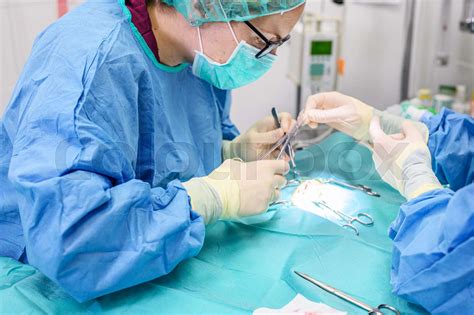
[[433, 235], [112, 146]]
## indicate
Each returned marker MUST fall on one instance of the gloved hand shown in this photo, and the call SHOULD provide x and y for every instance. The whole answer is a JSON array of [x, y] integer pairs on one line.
[[259, 138], [341, 112], [237, 189], [403, 160], [351, 116]]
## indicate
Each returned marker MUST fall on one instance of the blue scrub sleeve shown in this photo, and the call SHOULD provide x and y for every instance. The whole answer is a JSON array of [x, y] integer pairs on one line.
[[451, 142], [433, 235], [433, 261], [88, 224]]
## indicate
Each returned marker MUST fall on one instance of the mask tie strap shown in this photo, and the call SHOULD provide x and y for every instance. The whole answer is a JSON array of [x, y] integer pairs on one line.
[[200, 39], [228, 23], [233, 33]]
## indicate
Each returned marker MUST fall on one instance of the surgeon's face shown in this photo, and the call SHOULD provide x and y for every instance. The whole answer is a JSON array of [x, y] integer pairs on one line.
[[218, 42]]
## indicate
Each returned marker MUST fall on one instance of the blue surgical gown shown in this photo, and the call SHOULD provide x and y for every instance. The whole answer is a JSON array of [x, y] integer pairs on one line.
[[433, 258], [95, 143]]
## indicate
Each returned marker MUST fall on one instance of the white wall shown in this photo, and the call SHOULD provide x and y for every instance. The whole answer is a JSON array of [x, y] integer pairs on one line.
[[372, 46], [20, 21], [459, 46]]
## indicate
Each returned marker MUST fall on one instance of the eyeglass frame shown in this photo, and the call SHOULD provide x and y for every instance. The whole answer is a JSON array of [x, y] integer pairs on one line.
[[268, 43]]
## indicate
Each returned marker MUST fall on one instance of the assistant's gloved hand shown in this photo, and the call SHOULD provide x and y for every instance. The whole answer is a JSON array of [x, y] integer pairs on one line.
[[237, 189], [342, 112], [403, 160], [259, 138], [351, 116]]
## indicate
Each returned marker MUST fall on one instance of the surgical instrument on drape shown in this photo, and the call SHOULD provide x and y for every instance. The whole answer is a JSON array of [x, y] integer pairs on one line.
[[363, 188], [346, 297], [361, 217]]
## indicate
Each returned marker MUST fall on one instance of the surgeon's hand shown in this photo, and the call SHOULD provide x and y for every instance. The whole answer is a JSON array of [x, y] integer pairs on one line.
[[237, 189], [403, 160], [258, 139], [351, 116], [342, 112]]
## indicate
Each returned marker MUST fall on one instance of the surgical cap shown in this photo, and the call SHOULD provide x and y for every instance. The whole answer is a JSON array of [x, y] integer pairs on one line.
[[198, 12]]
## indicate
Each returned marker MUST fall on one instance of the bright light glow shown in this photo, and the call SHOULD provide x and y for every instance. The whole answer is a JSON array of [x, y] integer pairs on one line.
[[311, 191]]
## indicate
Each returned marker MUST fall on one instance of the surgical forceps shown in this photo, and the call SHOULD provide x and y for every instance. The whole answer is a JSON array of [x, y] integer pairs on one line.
[[276, 118], [346, 297], [363, 188], [361, 217], [285, 143]]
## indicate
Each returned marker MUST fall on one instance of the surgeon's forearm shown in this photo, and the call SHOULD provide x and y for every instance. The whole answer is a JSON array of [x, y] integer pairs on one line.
[[93, 239]]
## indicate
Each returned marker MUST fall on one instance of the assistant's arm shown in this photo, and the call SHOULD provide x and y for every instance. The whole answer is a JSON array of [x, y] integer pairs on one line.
[[433, 261], [433, 236], [451, 143]]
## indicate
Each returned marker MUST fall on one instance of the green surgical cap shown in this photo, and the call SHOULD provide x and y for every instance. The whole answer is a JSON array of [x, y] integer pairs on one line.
[[198, 12]]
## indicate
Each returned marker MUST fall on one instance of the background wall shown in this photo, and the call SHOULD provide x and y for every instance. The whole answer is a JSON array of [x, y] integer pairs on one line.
[[373, 44], [431, 40], [374, 36], [20, 23]]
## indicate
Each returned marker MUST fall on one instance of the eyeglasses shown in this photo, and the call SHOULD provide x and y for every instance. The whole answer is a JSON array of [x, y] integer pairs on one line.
[[270, 45]]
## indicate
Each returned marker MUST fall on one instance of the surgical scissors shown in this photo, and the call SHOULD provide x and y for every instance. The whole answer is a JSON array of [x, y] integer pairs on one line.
[[361, 217], [363, 188], [346, 297]]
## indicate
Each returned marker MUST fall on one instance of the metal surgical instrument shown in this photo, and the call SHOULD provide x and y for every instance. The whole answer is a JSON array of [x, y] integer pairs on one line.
[[276, 118], [280, 203], [363, 188], [361, 217], [346, 297], [285, 143]]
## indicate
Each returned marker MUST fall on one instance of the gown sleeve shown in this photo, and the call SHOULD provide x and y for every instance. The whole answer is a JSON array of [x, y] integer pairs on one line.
[[433, 235], [451, 143], [89, 224]]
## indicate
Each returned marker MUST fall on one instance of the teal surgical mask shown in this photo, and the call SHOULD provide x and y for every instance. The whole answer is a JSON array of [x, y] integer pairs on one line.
[[241, 68]]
